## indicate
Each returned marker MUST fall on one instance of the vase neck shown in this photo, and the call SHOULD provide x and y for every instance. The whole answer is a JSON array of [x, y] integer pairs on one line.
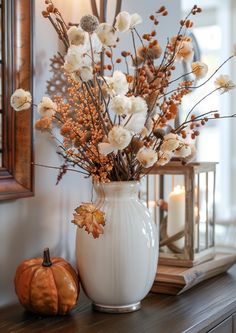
[[125, 190]]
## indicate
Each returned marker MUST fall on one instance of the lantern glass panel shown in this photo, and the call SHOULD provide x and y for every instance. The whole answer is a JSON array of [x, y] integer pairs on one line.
[[203, 227], [150, 194], [172, 221], [211, 208], [196, 214]]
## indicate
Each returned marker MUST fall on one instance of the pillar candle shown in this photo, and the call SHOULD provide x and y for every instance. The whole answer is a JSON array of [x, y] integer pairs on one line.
[[176, 214]]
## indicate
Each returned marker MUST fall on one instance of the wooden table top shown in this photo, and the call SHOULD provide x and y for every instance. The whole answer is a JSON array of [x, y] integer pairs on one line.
[[197, 310]]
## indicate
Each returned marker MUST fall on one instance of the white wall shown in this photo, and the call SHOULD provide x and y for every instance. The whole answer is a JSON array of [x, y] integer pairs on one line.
[[28, 225]]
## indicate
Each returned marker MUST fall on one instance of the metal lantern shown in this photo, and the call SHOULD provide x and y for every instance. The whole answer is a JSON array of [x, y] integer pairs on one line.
[[181, 198]]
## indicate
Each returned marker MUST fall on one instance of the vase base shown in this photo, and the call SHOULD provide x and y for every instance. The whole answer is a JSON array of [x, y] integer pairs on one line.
[[117, 308]]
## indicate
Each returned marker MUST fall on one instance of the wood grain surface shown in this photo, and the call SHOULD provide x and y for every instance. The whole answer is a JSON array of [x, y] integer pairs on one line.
[[198, 310], [176, 280]]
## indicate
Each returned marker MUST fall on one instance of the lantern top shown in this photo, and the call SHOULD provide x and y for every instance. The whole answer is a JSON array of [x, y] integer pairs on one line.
[[177, 167]]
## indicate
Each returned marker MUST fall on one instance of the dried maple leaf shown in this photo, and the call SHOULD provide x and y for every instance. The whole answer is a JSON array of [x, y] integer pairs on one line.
[[89, 216]]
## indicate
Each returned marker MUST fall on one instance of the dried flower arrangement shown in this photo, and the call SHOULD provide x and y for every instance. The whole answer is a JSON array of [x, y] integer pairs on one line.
[[114, 123]]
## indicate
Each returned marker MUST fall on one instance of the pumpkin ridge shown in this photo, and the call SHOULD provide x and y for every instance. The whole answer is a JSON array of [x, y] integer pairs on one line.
[[22, 271], [55, 286], [69, 277], [50, 283], [67, 268], [30, 285]]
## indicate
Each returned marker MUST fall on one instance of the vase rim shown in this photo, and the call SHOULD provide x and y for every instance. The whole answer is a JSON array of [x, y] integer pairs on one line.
[[118, 189], [116, 182]]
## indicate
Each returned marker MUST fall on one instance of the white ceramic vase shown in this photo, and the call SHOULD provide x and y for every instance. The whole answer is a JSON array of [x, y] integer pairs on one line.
[[117, 270]]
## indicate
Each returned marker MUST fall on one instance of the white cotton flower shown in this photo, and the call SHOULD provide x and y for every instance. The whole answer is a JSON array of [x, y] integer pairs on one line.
[[47, 107], [77, 36], [146, 157], [135, 122], [123, 20], [121, 104], [76, 58], [84, 74], [170, 143], [138, 104], [225, 83], [21, 100], [183, 151], [164, 157], [199, 69], [135, 20], [118, 139], [79, 56], [185, 51], [117, 84], [106, 34]]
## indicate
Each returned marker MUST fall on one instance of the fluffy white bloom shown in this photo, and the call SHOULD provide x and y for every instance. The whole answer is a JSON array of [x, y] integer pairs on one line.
[[135, 122], [21, 100], [123, 20], [170, 143], [147, 157], [185, 51], [77, 36], [79, 56], [183, 151], [106, 34], [164, 157], [47, 107], [118, 139], [135, 19], [121, 104], [84, 74], [225, 83], [199, 69], [138, 104], [76, 58], [117, 84]]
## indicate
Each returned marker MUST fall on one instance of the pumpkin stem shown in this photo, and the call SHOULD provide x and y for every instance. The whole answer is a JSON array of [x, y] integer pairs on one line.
[[46, 258]]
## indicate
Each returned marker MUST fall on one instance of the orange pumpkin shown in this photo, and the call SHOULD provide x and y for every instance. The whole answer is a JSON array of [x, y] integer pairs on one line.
[[48, 286]]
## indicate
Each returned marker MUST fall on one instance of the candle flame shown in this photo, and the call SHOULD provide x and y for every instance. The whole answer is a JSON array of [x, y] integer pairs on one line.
[[179, 189]]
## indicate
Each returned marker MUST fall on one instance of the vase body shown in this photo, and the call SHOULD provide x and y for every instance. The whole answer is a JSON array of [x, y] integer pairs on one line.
[[117, 270]]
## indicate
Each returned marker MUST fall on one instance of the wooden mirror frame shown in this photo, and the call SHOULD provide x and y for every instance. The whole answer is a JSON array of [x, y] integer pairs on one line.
[[16, 174]]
